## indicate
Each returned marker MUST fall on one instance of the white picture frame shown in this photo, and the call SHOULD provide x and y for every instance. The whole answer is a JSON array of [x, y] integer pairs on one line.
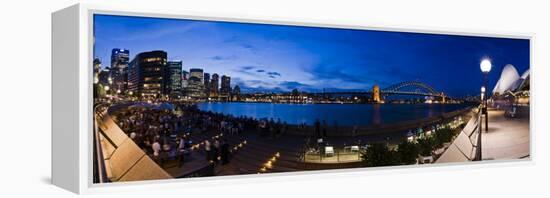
[[72, 127]]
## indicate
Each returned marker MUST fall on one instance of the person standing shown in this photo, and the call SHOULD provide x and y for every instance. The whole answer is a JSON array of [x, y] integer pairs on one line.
[[208, 149], [181, 151], [156, 151], [133, 136], [225, 152], [317, 128], [156, 148], [216, 150]]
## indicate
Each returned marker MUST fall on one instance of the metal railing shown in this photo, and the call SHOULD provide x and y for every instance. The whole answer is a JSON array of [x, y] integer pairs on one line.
[[478, 156], [338, 156], [99, 170]]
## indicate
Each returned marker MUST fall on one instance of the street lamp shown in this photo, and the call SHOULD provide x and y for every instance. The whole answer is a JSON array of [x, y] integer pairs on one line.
[[107, 88], [485, 67], [482, 94]]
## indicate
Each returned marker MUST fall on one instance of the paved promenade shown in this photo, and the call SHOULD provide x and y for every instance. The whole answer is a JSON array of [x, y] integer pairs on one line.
[[507, 138]]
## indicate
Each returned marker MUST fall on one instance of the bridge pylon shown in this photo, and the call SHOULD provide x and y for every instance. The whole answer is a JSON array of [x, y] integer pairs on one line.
[[376, 94]]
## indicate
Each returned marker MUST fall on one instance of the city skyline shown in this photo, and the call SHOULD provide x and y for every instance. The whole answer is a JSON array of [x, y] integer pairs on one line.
[[281, 58]]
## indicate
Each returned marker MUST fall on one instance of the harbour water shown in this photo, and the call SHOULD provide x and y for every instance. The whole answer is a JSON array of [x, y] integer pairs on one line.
[[340, 114]]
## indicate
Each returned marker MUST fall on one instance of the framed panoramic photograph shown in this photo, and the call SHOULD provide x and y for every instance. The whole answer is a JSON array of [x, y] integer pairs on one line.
[[146, 96]]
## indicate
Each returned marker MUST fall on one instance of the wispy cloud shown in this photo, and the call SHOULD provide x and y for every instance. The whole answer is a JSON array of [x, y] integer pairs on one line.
[[289, 85], [274, 74], [257, 72], [325, 71], [248, 67], [223, 58], [247, 70], [245, 43]]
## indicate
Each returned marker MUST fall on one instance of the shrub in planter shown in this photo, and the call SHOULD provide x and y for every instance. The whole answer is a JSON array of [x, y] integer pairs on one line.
[[407, 152], [378, 154], [443, 136], [426, 145]]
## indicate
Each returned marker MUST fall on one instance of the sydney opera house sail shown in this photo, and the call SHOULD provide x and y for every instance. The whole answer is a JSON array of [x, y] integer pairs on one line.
[[510, 80]]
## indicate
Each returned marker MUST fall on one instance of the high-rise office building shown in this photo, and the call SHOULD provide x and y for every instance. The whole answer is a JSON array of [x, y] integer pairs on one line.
[[207, 84], [225, 88], [195, 88], [146, 74], [173, 77], [214, 83], [236, 93], [196, 72], [119, 69], [184, 81], [104, 77], [120, 58], [184, 75]]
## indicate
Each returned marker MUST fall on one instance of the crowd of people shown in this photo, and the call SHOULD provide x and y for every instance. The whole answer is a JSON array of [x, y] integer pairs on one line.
[[272, 129], [164, 133]]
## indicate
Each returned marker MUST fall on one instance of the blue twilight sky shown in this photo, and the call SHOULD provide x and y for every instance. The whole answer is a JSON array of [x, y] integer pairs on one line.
[[272, 57]]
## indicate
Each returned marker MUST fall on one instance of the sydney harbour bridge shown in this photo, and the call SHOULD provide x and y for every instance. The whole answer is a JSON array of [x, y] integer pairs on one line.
[[414, 88]]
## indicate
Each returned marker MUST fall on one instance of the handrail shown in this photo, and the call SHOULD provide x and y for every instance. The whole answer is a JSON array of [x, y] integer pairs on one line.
[[99, 170], [478, 156]]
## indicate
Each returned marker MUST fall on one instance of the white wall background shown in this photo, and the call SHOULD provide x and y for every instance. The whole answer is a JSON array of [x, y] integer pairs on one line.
[[25, 97]]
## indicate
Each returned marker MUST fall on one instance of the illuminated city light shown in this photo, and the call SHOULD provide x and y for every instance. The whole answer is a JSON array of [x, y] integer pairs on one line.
[[268, 164]]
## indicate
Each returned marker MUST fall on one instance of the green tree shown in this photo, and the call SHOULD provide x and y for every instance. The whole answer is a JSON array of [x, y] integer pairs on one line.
[[295, 92], [443, 136], [100, 90], [378, 154], [426, 145], [407, 152]]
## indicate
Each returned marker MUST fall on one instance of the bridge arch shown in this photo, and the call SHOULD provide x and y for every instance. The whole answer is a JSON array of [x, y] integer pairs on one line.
[[395, 88]]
